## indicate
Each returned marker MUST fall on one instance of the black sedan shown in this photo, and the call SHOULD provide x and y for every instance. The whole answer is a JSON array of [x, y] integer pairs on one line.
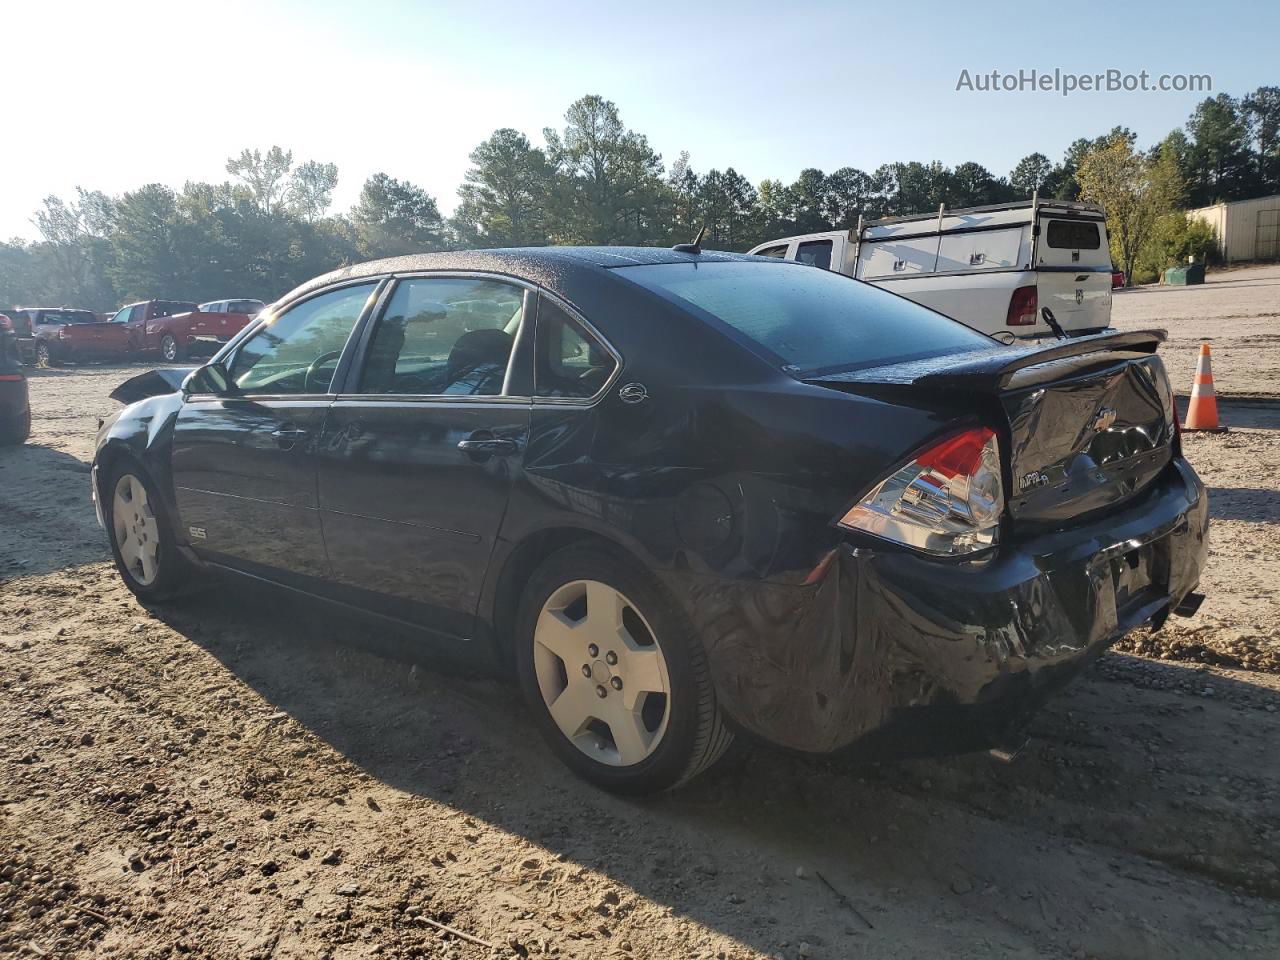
[[683, 494]]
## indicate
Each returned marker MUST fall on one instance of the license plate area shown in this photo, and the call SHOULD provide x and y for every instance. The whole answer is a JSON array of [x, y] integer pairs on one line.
[[1140, 574]]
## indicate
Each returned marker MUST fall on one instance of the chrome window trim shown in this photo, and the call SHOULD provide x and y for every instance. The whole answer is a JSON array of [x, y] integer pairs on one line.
[[538, 291]]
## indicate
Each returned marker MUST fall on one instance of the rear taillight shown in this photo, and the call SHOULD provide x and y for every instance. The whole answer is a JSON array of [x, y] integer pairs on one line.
[[947, 501], [1022, 308], [6, 325], [63, 333]]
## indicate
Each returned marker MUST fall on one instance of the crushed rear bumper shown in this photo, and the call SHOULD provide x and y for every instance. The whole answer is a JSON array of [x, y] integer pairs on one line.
[[895, 654]]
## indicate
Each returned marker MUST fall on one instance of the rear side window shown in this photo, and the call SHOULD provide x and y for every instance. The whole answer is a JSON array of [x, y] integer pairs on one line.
[[169, 308], [1073, 235], [816, 253], [779, 252], [807, 321], [570, 362]]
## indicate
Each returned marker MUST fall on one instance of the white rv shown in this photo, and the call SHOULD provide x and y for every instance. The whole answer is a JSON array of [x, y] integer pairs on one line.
[[992, 268]]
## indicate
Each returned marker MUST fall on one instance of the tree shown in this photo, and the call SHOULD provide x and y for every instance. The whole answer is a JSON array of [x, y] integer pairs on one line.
[[506, 192], [396, 217], [727, 201], [849, 194], [1221, 167], [267, 177], [74, 251], [608, 188], [1134, 190], [1262, 111], [1030, 174], [973, 185], [310, 189]]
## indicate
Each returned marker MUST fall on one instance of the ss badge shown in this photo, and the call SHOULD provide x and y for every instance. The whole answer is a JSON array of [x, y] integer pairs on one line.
[[197, 533]]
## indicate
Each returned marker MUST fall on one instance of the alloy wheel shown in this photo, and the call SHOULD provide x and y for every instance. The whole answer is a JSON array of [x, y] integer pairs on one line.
[[601, 673], [169, 348], [137, 531]]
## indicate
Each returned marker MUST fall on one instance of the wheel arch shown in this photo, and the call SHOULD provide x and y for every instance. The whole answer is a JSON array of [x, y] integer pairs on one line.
[[501, 601]]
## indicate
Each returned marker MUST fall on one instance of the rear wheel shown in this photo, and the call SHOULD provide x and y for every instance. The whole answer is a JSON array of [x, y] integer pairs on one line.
[[142, 541], [44, 356], [169, 348], [614, 674]]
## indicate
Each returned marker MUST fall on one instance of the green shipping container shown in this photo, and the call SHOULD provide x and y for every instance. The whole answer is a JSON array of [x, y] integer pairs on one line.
[[1184, 276]]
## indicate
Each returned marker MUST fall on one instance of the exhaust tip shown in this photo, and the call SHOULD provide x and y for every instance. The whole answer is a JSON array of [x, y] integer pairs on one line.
[[1008, 752], [1189, 604]]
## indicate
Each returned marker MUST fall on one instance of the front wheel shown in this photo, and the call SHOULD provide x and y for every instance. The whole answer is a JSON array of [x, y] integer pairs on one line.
[[142, 541], [614, 674]]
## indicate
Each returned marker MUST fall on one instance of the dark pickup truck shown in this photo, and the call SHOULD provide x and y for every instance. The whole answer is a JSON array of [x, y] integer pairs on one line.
[[53, 335]]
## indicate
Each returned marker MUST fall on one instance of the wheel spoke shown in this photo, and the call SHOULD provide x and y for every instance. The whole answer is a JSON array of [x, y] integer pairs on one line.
[[644, 673], [604, 611], [573, 708], [561, 636], [629, 736]]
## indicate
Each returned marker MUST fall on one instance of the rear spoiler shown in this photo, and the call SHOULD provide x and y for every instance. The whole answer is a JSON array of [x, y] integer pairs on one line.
[[997, 369], [153, 383]]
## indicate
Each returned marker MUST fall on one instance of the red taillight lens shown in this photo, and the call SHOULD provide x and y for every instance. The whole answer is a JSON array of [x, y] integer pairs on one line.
[[947, 501], [5, 324], [1022, 308]]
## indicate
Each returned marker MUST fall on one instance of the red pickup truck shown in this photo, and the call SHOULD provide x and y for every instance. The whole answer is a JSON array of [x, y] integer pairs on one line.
[[59, 335], [175, 328]]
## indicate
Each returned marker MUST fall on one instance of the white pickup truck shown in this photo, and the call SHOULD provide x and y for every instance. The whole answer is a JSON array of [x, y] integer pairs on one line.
[[992, 268]]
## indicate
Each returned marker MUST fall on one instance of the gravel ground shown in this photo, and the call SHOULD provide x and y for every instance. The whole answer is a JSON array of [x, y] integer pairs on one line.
[[1236, 311], [228, 777]]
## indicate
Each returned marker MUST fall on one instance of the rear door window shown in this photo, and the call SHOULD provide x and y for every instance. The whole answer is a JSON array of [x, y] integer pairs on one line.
[[816, 253], [444, 336]]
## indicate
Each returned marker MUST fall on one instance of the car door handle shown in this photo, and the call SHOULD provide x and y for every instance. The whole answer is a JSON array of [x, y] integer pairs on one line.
[[287, 435], [489, 445]]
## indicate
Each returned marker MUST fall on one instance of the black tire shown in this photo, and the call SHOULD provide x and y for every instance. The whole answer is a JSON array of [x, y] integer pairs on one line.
[[44, 356], [15, 430], [170, 351], [172, 568], [695, 736]]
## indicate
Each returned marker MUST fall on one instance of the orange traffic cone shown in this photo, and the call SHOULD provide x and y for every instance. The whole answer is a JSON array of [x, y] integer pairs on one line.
[[1202, 411]]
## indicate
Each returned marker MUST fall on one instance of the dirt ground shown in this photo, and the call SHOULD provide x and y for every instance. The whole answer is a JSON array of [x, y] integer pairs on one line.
[[229, 777], [1236, 311]]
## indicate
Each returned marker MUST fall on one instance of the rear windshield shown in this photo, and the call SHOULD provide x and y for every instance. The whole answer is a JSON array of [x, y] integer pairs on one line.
[[808, 321], [1074, 235], [245, 306], [168, 308], [68, 316]]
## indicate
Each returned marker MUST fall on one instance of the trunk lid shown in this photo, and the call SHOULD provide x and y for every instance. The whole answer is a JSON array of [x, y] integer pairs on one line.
[[1090, 421]]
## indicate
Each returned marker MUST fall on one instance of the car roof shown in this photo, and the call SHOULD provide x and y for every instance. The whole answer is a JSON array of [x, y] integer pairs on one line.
[[547, 266]]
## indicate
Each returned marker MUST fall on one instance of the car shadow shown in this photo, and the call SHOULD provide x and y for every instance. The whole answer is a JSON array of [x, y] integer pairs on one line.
[[457, 735], [45, 501], [1252, 504]]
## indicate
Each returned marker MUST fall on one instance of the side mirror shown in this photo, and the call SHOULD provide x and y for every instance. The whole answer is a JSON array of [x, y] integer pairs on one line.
[[211, 378]]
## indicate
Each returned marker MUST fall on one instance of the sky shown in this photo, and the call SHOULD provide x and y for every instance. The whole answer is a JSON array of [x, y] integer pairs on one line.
[[110, 96]]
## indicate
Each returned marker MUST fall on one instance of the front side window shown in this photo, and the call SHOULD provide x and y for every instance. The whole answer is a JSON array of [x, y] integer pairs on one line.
[[444, 336], [807, 321], [122, 315], [570, 362], [816, 253], [297, 351]]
